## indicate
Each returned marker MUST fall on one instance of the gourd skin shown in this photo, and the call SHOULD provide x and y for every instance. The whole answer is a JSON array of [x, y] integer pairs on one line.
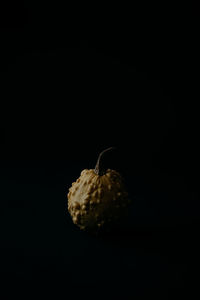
[[94, 200]]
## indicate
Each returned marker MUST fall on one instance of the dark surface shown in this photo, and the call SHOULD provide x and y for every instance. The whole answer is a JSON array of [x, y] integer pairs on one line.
[[73, 83]]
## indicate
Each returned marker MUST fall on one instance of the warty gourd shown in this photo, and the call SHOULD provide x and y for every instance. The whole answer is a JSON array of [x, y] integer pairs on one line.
[[98, 197]]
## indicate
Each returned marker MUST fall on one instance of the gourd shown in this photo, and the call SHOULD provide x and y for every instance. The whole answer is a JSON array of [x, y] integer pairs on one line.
[[98, 197]]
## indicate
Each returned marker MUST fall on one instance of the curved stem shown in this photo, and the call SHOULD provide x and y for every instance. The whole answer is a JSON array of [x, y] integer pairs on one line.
[[98, 168]]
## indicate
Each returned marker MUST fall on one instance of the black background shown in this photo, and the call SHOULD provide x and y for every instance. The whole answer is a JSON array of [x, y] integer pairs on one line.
[[75, 80]]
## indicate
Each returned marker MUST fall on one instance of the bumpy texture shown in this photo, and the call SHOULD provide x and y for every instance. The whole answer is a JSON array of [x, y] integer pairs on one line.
[[94, 201]]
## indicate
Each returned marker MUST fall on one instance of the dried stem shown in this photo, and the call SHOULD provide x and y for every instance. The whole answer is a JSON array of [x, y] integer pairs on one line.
[[99, 170]]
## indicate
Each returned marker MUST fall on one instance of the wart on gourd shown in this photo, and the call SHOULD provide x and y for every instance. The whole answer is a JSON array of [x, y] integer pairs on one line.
[[98, 197]]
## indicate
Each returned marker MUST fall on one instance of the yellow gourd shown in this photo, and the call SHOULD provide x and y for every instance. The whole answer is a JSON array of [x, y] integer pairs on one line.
[[97, 198]]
